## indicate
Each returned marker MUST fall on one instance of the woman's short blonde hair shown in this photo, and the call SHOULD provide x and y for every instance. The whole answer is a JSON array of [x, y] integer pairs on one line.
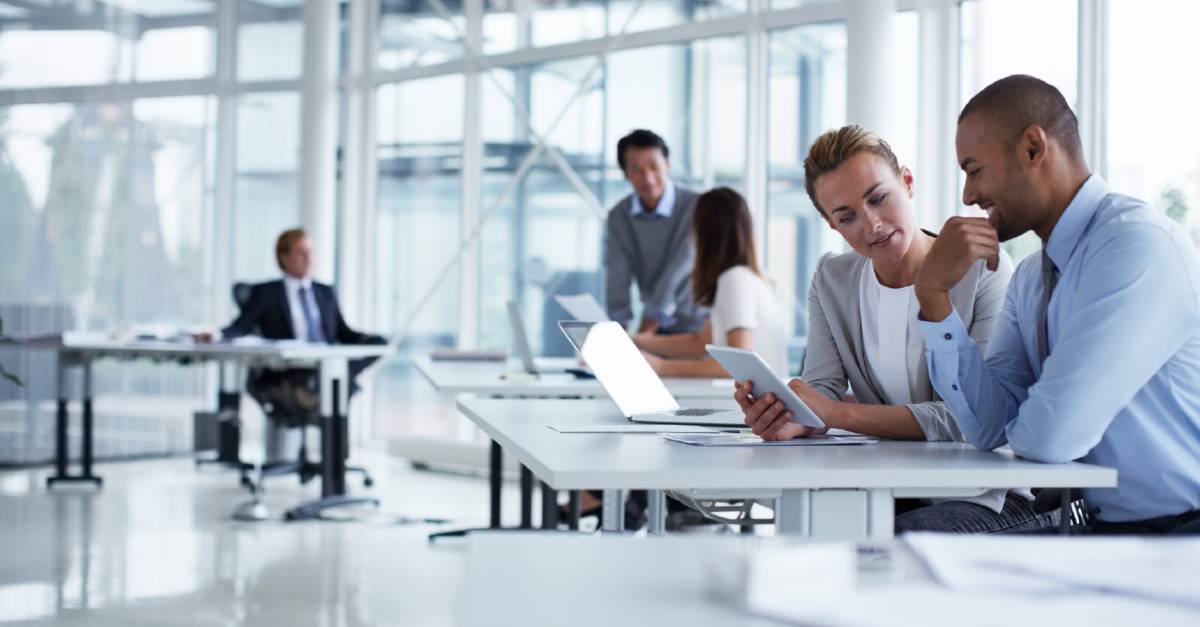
[[833, 148]]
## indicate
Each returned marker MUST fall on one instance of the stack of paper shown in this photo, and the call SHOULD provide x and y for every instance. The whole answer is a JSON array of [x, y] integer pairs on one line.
[[749, 439], [1161, 570]]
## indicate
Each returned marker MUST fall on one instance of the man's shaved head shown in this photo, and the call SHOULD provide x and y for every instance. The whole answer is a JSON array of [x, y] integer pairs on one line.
[[1013, 103]]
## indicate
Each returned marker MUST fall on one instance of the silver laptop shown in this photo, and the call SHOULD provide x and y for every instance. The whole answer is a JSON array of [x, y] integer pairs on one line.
[[630, 381], [521, 340]]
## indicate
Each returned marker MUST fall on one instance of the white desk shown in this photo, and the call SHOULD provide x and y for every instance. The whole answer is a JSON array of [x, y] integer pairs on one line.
[[604, 580], [842, 492], [508, 380], [78, 350]]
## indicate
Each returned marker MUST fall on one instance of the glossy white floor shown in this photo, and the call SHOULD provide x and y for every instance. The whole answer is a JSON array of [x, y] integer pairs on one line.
[[156, 546]]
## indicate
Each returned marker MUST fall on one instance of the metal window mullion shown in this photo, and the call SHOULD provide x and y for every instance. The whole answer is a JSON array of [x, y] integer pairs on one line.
[[1092, 70], [226, 158], [757, 111], [682, 33], [937, 104], [471, 173]]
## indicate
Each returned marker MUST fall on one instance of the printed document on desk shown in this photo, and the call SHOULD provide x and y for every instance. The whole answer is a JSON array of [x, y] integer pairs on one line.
[[583, 307], [749, 439], [1162, 570], [631, 428]]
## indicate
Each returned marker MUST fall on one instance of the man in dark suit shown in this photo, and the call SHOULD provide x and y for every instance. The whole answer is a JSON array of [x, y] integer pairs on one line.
[[294, 308]]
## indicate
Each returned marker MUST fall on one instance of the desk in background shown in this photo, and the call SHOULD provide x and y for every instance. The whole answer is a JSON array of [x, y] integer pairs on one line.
[[506, 379], [80, 351]]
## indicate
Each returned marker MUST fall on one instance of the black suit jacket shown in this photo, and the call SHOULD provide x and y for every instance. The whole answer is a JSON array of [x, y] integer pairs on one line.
[[267, 314]]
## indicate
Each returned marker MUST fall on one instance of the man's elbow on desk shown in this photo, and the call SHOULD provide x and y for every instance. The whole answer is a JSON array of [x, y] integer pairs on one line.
[[1047, 447]]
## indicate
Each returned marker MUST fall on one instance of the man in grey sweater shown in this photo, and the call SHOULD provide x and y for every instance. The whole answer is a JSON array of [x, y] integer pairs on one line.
[[647, 240]]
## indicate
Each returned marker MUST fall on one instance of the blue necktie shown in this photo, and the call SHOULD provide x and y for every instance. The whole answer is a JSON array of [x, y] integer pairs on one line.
[[314, 329], [1049, 282]]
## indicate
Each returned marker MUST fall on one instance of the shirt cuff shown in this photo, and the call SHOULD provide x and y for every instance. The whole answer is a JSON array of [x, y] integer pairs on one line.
[[946, 336], [659, 314]]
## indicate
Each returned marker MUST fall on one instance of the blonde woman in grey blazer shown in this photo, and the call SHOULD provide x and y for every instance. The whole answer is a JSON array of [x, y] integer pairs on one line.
[[863, 337]]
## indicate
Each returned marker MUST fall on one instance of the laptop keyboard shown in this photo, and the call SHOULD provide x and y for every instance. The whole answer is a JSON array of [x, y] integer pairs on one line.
[[696, 412]]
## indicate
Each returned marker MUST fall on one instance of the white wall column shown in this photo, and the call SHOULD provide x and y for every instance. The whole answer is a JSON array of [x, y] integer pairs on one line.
[[1093, 83], [870, 73], [318, 132], [757, 89], [938, 107], [472, 175], [356, 241]]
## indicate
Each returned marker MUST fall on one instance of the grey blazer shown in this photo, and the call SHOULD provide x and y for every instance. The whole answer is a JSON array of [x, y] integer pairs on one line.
[[836, 357]]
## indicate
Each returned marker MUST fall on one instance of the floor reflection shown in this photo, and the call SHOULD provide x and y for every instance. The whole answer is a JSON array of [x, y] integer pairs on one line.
[[156, 546]]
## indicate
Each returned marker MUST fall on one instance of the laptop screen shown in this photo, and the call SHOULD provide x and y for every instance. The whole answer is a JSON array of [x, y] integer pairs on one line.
[[619, 366], [520, 340]]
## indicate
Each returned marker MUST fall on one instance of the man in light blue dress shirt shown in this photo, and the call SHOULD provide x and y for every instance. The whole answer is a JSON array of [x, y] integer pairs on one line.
[[1097, 353]]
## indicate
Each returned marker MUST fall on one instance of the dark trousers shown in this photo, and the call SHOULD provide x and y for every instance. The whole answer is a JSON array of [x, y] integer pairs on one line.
[[1185, 523]]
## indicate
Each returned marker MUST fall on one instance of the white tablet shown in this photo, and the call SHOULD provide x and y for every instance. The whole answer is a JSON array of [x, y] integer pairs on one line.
[[745, 365]]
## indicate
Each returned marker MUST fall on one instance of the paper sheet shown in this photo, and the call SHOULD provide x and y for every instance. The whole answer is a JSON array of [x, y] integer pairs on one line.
[[630, 428], [749, 439], [582, 307], [1162, 570], [933, 606]]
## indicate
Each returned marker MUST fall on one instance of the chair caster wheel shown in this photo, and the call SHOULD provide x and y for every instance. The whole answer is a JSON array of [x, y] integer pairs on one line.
[[368, 482]]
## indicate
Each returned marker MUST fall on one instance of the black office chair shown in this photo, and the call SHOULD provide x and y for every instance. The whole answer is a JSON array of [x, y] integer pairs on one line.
[[1073, 512], [291, 399]]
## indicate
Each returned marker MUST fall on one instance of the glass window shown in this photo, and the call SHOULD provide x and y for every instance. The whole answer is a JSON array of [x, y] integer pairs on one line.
[[107, 226], [270, 43], [791, 4], [267, 181], [414, 33], [807, 97], [419, 134], [512, 24], [546, 237], [995, 36], [1150, 116], [73, 43], [906, 38]]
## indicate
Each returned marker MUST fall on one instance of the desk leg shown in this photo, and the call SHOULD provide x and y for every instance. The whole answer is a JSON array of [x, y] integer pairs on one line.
[[614, 511], [881, 512], [656, 512], [549, 507], [495, 478], [61, 455], [573, 506], [333, 438], [88, 423], [526, 498], [836, 514], [792, 511], [60, 425]]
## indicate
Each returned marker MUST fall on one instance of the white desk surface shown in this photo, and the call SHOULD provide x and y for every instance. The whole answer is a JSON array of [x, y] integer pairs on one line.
[[594, 581], [492, 378], [647, 461], [285, 351], [604, 580]]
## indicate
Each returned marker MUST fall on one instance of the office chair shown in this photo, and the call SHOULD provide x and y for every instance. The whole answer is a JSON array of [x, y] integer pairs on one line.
[[1072, 510], [289, 398]]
